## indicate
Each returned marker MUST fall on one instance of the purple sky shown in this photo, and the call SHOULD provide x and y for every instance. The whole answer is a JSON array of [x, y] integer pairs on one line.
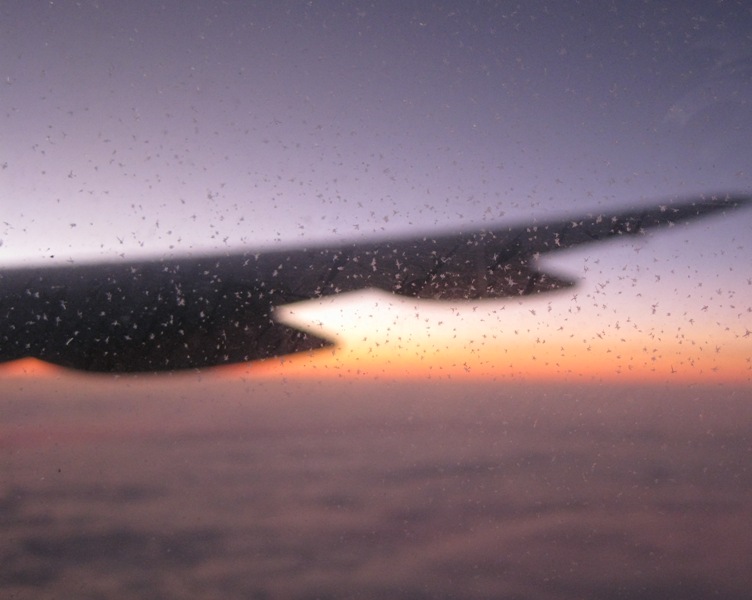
[[187, 125]]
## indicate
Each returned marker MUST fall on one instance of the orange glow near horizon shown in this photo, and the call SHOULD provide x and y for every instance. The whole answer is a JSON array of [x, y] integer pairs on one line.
[[535, 339], [630, 364], [523, 361], [30, 367]]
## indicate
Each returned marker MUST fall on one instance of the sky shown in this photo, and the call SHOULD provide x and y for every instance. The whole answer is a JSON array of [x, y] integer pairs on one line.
[[174, 128]]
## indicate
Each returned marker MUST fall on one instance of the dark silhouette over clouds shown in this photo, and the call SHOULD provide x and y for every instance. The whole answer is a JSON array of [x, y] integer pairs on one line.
[[169, 314]]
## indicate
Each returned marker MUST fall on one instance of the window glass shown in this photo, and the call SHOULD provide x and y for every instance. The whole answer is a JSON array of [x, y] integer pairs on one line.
[[255, 340]]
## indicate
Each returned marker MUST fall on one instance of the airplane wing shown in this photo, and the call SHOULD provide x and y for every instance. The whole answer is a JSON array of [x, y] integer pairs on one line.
[[169, 314]]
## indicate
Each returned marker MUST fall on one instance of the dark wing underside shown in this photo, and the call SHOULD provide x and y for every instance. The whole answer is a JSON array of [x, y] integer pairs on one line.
[[151, 316], [196, 312]]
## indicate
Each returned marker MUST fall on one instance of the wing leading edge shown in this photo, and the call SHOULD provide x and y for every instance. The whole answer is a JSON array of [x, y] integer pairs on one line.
[[171, 314]]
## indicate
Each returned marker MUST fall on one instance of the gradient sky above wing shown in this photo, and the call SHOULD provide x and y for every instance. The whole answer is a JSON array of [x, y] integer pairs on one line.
[[143, 129]]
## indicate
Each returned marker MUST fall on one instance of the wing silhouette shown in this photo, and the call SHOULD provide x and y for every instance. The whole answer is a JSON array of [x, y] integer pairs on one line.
[[170, 314]]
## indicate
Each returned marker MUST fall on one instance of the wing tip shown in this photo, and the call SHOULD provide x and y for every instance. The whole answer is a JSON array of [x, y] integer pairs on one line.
[[728, 200]]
